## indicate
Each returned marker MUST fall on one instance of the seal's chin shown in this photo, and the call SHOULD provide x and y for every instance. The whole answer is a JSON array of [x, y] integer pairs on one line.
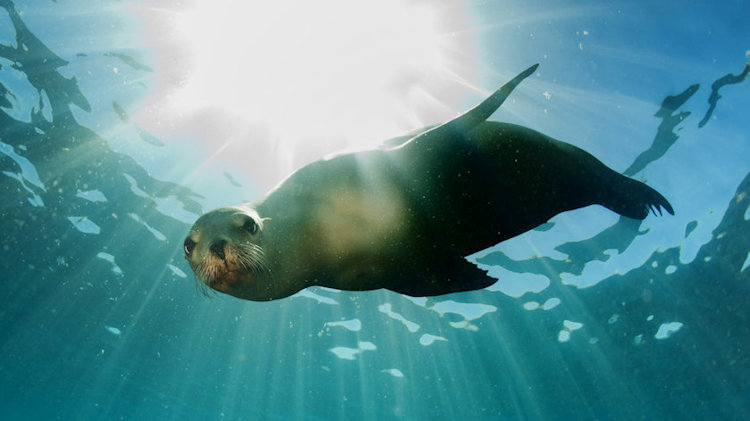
[[230, 280], [247, 285]]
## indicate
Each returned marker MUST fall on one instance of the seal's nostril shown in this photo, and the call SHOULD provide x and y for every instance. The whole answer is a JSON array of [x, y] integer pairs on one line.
[[217, 248]]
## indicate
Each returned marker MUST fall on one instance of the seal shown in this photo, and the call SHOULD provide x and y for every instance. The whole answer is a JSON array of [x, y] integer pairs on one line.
[[403, 217]]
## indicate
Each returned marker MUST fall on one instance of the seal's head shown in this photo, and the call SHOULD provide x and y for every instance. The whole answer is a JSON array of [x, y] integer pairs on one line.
[[224, 249]]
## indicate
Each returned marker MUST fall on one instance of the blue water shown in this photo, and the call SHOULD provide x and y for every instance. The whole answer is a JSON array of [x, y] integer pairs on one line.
[[593, 317]]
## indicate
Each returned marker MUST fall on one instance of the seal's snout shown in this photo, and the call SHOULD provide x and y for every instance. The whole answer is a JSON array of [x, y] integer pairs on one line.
[[217, 248]]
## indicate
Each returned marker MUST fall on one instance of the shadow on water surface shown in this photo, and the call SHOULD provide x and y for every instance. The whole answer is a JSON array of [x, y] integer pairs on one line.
[[100, 317]]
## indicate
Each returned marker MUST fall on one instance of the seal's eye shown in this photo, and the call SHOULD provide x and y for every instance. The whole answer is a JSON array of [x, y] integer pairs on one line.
[[189, 246], [250, 226]]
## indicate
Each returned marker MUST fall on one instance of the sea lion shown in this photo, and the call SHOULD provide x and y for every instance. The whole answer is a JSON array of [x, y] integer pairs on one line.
[[404, 217]]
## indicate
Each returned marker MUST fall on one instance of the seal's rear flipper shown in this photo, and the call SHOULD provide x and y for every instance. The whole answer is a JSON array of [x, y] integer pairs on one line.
[[634, 199], [480, 112]]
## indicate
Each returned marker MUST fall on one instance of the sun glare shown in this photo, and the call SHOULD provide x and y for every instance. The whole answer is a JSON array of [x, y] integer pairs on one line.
[[346, 68]]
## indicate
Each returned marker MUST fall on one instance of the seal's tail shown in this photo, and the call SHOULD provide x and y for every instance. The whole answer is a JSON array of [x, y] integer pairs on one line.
[[634, 199]]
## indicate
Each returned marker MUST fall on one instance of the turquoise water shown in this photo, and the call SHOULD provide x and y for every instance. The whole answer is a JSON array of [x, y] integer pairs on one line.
[[592, 317]]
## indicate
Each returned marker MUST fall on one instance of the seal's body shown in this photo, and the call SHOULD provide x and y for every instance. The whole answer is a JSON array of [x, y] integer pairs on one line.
[[404, 218]]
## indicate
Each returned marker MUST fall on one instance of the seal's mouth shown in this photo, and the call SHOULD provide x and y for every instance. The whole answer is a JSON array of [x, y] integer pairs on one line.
[[235, 269]]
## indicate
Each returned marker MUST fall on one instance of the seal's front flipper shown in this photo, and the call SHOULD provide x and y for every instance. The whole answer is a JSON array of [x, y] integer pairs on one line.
[[479, 113], [484, 109], [450, 274], [634, 199], [462, 275]]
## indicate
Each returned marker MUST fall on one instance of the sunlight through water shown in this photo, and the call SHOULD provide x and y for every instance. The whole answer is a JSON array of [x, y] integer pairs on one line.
[[355, 70]]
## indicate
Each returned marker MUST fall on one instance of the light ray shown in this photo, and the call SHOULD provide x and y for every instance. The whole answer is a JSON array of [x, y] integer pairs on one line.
[[335, 68]]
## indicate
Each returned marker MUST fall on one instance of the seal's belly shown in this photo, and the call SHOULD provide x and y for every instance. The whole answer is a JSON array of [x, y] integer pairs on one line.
[[357, 230], [355, 220]]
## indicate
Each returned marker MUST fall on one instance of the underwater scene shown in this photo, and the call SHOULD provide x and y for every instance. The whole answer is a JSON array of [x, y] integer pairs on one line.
[[122, 122]]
